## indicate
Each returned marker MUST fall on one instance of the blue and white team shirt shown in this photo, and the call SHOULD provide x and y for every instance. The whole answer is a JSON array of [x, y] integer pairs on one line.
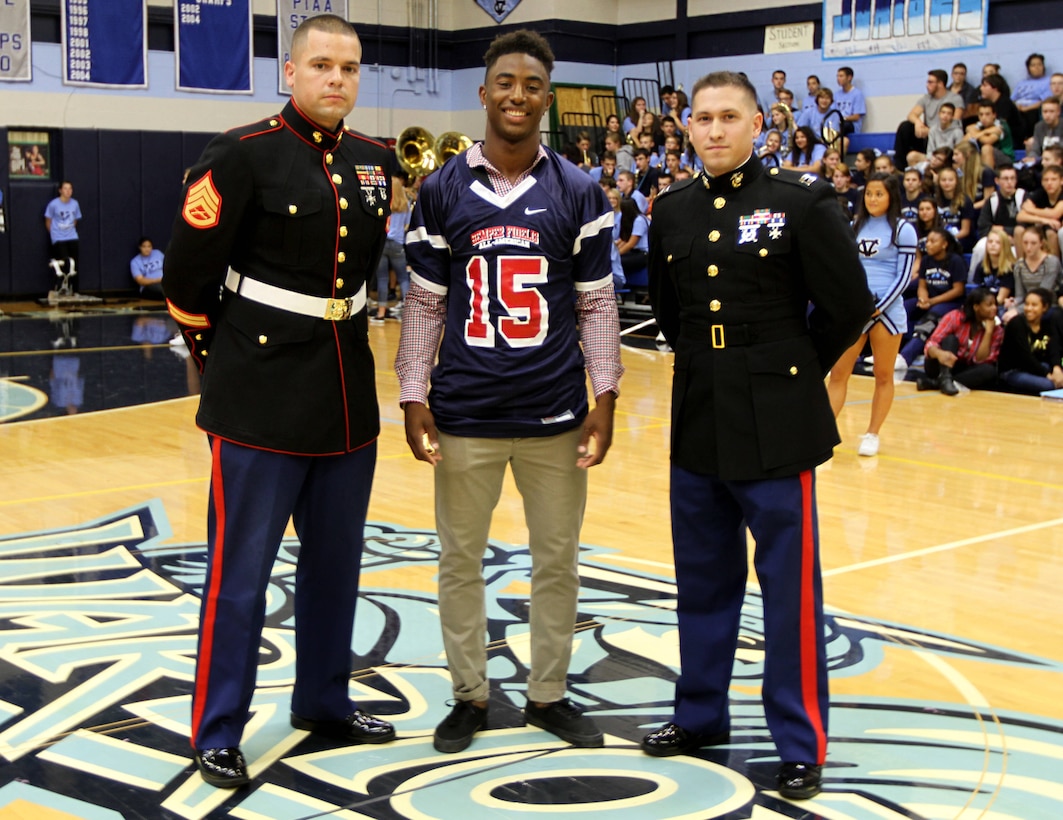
[[952, 219], [64, 216], [849, 103], [940, 276], [887, 257], [398, 223], [813, 118], [510, 266], [150, 266], [640, 228]]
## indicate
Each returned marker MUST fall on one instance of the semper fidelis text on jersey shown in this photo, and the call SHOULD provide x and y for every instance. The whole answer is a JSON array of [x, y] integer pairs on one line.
[[757, 286], [286, 221]]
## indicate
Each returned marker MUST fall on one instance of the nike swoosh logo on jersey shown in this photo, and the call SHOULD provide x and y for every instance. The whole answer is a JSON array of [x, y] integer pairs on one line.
[[533, 211]]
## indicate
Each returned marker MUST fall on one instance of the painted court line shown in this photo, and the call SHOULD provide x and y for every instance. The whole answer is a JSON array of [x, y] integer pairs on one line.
[[951, 545]]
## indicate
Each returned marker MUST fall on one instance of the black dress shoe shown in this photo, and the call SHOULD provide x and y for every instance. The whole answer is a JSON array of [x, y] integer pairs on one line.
[[671, 739], [799, 781], [224, 768], [357, 727], [926, 383]]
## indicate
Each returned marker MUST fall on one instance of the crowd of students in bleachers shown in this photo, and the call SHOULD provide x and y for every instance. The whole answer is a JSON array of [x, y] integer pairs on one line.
[[980, 177]]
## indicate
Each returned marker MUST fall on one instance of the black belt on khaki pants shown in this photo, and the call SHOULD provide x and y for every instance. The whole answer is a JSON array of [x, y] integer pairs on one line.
[[741, 335]]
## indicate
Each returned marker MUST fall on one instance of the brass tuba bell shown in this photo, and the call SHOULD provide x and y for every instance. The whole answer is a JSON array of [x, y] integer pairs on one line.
[[420, 153], [450, 144], [416, 152]]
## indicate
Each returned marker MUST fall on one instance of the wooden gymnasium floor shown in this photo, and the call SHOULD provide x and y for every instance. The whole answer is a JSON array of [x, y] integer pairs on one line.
[[943, 562]]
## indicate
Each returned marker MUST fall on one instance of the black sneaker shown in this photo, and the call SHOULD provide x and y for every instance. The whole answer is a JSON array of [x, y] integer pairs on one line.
[[455, 732], [566, 720]]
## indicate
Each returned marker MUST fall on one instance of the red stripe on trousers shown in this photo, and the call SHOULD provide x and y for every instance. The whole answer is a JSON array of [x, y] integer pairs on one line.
[[206, 628], [809, 624]]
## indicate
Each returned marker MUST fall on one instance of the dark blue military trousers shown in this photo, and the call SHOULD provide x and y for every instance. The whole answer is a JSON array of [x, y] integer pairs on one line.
[[252, 494], [709, 520]]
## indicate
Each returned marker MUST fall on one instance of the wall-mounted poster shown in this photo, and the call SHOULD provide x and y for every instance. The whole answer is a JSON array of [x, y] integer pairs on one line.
[[498, 9], [29, 155], [866, 28]]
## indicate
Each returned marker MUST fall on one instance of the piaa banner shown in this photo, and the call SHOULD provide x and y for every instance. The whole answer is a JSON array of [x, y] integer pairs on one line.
[[290, 13], [15, 63]]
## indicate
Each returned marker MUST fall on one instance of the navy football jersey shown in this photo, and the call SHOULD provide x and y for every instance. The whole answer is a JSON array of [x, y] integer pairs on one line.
[[510, 362]]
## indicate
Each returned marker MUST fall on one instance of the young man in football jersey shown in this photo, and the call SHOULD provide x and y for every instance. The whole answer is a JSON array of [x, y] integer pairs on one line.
[[509, 246]]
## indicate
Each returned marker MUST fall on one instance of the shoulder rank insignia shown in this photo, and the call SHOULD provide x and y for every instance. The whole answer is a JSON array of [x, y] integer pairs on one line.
[[808, 179], [202, 203], [675, 187]]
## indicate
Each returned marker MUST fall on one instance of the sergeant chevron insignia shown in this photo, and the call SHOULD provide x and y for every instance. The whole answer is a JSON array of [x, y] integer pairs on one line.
[[202, 206]]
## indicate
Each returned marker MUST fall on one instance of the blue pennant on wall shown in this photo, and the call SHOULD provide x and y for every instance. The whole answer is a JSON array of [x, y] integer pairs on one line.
[[499, 9]]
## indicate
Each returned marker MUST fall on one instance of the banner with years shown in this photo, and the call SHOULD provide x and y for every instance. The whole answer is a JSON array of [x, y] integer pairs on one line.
[[213, 45], [105, 43]]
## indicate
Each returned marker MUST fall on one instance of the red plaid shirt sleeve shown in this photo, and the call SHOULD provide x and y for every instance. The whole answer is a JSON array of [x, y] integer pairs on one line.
[[423, 316], [599, 331]]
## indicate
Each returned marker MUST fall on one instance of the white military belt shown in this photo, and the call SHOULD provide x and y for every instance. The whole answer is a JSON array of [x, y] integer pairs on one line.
[[319, 307]]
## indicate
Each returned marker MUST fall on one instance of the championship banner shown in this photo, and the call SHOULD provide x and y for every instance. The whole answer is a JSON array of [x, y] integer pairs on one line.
[[213, 46], [15, 62], [105, 43], [290, 13], [869, 28]]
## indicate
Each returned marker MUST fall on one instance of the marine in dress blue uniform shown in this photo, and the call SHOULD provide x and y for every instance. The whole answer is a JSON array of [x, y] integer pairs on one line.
[[286, 219], [736, 256]]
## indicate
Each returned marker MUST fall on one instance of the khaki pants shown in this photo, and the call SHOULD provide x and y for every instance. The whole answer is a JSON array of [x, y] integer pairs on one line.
[[468, 483]]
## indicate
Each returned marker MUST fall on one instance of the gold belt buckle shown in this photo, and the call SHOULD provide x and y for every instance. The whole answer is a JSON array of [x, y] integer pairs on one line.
[[338, 310], [717, 337]]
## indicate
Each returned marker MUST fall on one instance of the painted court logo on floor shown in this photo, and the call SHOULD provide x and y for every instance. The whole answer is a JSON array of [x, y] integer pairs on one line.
[[97, 655]]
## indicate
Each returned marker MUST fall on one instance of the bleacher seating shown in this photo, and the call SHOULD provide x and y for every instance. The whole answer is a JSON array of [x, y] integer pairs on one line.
[[883, 143]]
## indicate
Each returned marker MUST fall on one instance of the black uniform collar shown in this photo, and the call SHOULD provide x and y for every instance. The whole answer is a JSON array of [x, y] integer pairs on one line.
[[308, 130], [736, 179]]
